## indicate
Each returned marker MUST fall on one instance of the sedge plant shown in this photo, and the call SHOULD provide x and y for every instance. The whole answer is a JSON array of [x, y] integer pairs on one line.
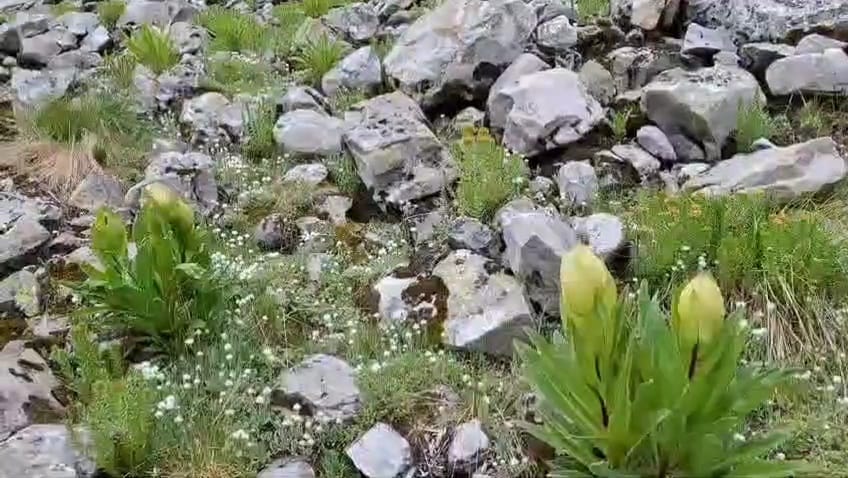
[[627, 392], [154, 49]]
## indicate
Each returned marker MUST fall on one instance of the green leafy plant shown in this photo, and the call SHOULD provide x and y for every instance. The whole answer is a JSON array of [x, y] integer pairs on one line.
[[154, 49], [342, 168], [289, 17], [318, 57], [234, 31], [236, 75], [588, 9], [811, 119], [110, 12], [259, 123], [619, 123], [316, 8], [62, 8], [624, 392], [167, 287], [489, 176], [121, 69], [753, 122]]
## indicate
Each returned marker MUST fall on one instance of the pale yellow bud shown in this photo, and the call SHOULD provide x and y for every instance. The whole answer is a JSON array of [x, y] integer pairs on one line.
[[175, 209], [700, 311], [586, 283]]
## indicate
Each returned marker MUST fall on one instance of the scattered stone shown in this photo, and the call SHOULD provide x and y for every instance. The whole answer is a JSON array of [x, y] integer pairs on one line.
[[549, 109], [49, 326], [486, 311], [97, 190], [33, 88], [468, 446], [689, 171], [656, 142], [397, 156], [287, 468], [786, 173], [188, 38], [469, 117], [603, 232], [703, 104], [425, 226], [97, 41], [469, 233], [141, 12], [557, 35], [322, 384], [26, 390], [391, 305], [20, 295], [302, 98], [757, 57], [815, 73], [645, 165], [79, 23], [44, 451], [359, 71], [633, 68], [308, 132], [499, 106], [275, 233], [191, 174], [357, 22], [336, 208], [381, 453], [815, 43], [30, 24], [647, 14], [598, 81], [706, 42], [10, 40], [313, 174], [212, 116], [578, 184], [686, 149], [458, 49], [20, 243], [541, 186], [80, 60]]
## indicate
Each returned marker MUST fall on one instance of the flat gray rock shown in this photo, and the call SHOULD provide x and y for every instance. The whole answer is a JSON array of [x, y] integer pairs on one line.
[[816, 43], [287, 468], [26, 389], [498, 106], [323, 384], [43, 451], [816, 73], [381, 453], [20, 295], [468, 446], [706, 42], [578, 183], [654, 141]]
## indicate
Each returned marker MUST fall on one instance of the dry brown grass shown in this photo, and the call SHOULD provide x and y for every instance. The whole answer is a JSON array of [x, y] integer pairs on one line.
[[58, 167]]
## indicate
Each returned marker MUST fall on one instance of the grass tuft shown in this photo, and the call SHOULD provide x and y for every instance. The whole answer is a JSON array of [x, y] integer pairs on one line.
[[259, 132], [154, 49], [752, 123], [318, 57], [110, 12], [120, 68], [234, 31], [619, 122]]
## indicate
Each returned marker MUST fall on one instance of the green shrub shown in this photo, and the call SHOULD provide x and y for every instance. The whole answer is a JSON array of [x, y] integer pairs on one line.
[[289, 17], [316, 8], [812, 120], [167, 288], [318, 57], [619, 122], [752, 123], [154, 49], [121, 69], [110, 12], [587, 9], [62, 8], [488, 175], [747, 241], [342, 169], [236, 75], [234, 31], [69, 120], [624, 391], [344, 99], [259, 140]]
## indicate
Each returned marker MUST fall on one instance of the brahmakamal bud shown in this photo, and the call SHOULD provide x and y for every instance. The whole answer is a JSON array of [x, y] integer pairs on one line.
[[586, 283]]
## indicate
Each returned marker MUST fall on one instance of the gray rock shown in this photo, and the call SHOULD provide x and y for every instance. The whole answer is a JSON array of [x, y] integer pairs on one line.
[[757, 57], [706, 42], [396, 154], [84, 256], [140, 12], [336, 208], [20, 295], [381, 453], [49, 327], [815, 43], [689, 171], [188, 38], [26, 389], [387, 8], [647, 14], [10, 40], [598, 81], [703, 104], [603, 232], [274, 233], [469, 117], [30, 24], [633, 68], [287, 468], [356, 22], [557, 35], [469, 233], [425, 226], [498, 106], [515, 207], [192, 175], [654, 141], [815, 73], [79, 23], [550, 9], [486, 311], [314, 174], [577, 183], [20, 243], [762, 143], [323, 384], [686, 149], [468, 446], [75, 59], [535, 242], [97, 41], [541, 186], [763, 20], [391, 305], [212, 116], [457, 49], [786, 173], [44, 451], [549, 109], [37, 51], [97, 190], [302, 98], [308, 132], [163, 91], [359, 71], [645, 165]]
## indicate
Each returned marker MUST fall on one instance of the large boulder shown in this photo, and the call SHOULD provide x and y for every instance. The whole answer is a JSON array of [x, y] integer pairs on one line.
[[549, 109], [44, 451], [825, 72], [816, 43], [704, 104], [212, 116], [458, 49], [633, 67], [21, 243], [498, 106], [535, 242], [38, 50], [356, 23], [486, 311], [578, 184], [309, 132], [785, 173], [26, 389], [396, 153], [762, 20], [359, 71], [323, 384], [32, 88], [757, 57], [556, 36]]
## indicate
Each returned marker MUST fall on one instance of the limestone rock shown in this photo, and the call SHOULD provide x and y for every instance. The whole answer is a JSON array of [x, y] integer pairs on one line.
[[323, 384], [211, 116], [43, 451], [654, 141], [757, 57], [706, 42], [598, 81], [577, 183], [468, 446], [20, 295], [469, 233], [359, 71], [308, 132], [313, 174], [97, 190], [287, 468], [815, 43], [275, 233], [604, 233], [26, 389], [381, 453], [817, 73], [20, 243], [391, 305], [192, 175], [556, 35], [498, 106], [356, 22], [33, 88]]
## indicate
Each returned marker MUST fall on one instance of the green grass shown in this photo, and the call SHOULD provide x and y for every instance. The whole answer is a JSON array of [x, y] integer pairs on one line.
[[488, 175], [238, 75], [318, 57], [753, 122], [110, 11], [811, 119], [289, 17], [234, 31], [259, 132], [62, 8], [120, 68], [154, 49], [344, 174], [588, 9], [619, 122], [316, 8], [344, 99]]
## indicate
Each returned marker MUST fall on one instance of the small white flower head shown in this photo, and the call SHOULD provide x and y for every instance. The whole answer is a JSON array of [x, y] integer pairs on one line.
[[178, 419]]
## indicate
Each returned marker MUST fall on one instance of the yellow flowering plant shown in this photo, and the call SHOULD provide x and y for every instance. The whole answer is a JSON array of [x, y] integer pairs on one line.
[[166, 287], [626, 392]]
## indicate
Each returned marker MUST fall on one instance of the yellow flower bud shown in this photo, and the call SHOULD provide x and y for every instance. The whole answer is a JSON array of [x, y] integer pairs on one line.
[[586, 282], [175, 209], [700, 310], [109, 235]]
